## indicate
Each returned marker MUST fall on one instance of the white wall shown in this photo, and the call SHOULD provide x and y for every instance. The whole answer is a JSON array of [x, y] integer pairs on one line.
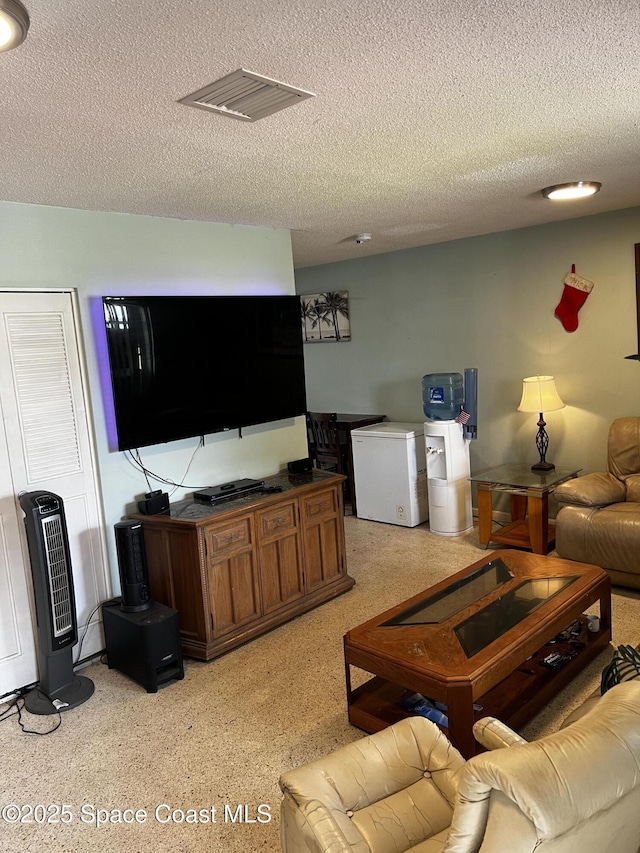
[[114, 254], [488, 302]]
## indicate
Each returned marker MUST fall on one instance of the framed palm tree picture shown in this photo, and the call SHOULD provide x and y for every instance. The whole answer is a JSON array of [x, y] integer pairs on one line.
[[325, 317]]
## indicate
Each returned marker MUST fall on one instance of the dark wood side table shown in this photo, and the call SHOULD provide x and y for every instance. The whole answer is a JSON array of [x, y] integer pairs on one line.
[[529, 503]]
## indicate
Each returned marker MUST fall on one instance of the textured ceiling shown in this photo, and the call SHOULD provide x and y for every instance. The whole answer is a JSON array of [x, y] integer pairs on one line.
[[433, 119]]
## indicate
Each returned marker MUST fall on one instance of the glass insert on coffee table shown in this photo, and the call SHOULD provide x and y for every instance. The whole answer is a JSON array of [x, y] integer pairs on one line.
[[528, 501], [487, 641]]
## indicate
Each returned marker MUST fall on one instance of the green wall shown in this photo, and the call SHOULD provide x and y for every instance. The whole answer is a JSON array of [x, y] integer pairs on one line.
[[488, 302], [114, 254]]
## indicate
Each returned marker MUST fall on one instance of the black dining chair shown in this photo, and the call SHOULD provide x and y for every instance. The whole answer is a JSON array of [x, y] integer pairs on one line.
[[325, 448]]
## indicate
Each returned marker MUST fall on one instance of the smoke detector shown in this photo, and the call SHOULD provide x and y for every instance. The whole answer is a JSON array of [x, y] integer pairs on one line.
[[362, 238], [246, 96]]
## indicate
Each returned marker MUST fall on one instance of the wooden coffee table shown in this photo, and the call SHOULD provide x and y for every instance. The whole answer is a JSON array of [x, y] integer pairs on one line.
[[475, 642]]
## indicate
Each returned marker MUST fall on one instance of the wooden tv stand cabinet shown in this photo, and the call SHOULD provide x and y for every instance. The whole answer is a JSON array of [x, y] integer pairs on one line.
[[236, 569]]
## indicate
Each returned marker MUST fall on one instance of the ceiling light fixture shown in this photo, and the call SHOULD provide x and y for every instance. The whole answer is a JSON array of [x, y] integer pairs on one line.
[[14, 24], [577, 189]]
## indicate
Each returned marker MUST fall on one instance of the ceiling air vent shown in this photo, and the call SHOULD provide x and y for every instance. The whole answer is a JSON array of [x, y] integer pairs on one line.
[[246, 96]]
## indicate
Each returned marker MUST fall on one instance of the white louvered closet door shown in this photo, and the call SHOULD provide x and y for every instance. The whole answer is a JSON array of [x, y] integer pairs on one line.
[[45, 443]]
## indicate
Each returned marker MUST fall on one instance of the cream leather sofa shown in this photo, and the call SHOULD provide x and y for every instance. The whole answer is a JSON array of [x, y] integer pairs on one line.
[[598, 519], [407, 789]]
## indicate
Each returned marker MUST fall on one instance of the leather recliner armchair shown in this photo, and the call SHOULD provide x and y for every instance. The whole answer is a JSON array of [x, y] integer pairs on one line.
[[407, 789], [598, 519]]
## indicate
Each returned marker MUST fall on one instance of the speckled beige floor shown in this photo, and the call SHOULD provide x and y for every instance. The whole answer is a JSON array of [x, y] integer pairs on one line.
[[222, 737]]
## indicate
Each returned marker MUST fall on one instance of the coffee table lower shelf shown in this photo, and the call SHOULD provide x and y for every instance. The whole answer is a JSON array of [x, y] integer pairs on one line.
[[375, 704]]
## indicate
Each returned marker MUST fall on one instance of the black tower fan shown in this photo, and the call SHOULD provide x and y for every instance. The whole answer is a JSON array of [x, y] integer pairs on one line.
[[58, 689]]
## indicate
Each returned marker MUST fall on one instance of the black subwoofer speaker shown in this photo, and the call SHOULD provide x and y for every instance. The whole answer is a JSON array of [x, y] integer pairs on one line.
[[144, 645], [132, 562]]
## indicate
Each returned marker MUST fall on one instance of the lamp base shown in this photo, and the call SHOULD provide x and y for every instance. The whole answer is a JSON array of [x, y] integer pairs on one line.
[[543, 466]]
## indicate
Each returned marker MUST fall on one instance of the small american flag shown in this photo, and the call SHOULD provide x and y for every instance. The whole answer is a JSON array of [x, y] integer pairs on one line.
[[463, 417]]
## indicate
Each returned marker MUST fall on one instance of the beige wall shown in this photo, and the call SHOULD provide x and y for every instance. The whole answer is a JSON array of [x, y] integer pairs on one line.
[[488, 302], [113, 254]]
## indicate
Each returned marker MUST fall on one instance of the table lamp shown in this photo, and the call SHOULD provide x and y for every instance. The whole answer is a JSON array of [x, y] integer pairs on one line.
[[539, 395]]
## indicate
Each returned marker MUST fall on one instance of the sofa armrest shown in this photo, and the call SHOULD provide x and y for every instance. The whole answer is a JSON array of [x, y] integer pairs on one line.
[[591, 490], [368, 789], [493, 734], [310, 828]]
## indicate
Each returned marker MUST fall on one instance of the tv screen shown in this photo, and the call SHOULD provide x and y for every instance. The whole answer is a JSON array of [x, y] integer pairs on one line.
[[183, 366]]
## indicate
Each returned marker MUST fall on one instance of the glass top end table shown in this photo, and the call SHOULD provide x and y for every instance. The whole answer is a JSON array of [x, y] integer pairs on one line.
[[529, 503]]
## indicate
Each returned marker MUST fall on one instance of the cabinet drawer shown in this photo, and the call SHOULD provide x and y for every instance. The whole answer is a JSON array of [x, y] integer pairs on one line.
[[224, 538], [317, 506], [279, 519]]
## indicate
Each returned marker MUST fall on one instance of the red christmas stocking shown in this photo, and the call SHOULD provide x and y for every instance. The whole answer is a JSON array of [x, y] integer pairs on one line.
[[574, 295]]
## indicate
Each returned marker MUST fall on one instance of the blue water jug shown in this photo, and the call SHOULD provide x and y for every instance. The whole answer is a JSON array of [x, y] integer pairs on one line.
[[442, 395]]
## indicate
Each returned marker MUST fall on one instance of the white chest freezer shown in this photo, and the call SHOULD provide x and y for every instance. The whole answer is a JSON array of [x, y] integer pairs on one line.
[[390, 473]]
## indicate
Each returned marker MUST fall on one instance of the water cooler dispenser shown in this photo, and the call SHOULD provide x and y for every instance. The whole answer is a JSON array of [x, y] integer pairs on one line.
[[450, 405]]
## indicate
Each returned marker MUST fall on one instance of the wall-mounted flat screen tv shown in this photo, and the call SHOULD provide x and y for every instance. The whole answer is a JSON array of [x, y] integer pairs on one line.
[[185, 366]]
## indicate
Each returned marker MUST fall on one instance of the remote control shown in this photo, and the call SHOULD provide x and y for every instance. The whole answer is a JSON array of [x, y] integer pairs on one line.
[[570, 632]]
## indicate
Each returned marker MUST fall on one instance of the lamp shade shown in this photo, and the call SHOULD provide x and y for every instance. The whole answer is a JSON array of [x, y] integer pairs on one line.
[[539, 394]]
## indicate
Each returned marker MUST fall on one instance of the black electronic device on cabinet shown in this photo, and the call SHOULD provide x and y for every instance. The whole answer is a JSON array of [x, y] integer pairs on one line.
[[300, 466], [227, 491], [154, 503]]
